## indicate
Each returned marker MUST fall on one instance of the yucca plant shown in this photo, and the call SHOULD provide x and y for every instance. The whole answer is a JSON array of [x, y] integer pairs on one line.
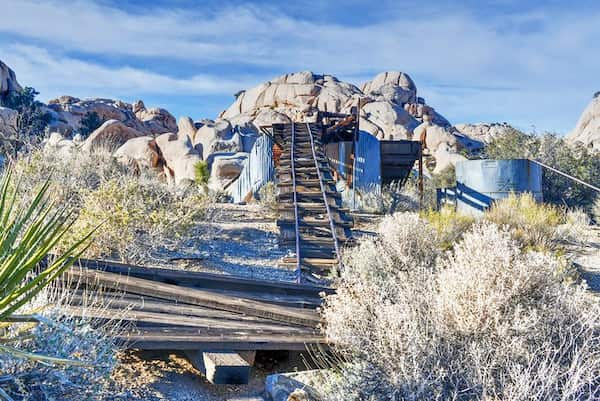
[[27, 236]]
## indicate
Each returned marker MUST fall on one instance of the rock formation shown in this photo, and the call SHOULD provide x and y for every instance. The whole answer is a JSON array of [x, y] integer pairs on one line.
[[389, 108], [180, 157], [140, 153], [67, 112], [587, 130], [484, 132], [8, 80], [109, 136]]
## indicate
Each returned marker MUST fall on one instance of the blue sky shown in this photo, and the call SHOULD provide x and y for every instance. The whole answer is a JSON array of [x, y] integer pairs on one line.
[[529, 63]]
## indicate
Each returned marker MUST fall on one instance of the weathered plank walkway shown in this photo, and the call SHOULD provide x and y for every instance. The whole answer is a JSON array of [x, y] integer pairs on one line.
[[176, 310]]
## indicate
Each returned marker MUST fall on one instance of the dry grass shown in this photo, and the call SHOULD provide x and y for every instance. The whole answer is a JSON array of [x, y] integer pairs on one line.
[[487, 321], [389, 198]]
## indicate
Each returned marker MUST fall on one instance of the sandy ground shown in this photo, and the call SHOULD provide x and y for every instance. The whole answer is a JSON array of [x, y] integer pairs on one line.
[[239, 240], [161, 376], [588, 260]]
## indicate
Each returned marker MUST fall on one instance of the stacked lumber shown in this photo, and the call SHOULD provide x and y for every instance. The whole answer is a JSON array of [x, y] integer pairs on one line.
[[180, 310]]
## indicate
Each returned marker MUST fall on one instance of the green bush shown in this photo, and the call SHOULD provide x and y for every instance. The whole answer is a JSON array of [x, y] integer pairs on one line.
[[201, 173]]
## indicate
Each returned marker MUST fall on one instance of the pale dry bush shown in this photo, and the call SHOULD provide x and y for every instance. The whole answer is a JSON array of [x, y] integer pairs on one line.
[[62, 335], [388, 199], [487, 321], [575, 229], [69, 176], [267, 198]]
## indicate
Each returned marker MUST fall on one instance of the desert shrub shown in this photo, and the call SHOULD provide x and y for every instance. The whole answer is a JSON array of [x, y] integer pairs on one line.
[[201, 173], [267, 197], [138, 218], [448, 224], [390, 198], [140, 215], [488, 321], [70, 177], [89, 343], [445, 178], [533, 224], [575, 228], [89, 123], [554, 151]]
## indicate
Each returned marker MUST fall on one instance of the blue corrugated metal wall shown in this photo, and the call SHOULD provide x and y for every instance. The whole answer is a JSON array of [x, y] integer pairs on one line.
[[368, 163], [257, 171]]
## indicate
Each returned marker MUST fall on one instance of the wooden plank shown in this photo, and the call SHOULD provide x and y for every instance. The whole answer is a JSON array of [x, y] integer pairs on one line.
[[206, 280], [209, 323], [309, 301], [158, 338], [199, 297]]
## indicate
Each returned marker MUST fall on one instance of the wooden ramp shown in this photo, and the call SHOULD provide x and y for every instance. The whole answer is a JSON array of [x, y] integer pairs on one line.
[[312, 218], [197, 312]]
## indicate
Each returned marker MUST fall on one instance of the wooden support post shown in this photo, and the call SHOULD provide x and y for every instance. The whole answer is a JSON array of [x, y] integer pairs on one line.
[[223, 367], [421, 189]]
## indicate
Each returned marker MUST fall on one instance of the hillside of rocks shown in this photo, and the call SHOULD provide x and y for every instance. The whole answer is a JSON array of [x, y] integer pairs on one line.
[[151, 138], [587, 130]]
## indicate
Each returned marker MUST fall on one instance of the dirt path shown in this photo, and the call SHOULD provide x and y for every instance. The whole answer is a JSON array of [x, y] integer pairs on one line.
[[588, 260]]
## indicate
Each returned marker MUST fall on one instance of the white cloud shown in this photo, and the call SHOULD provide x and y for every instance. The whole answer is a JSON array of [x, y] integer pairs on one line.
[[55, 76], [551, 57]]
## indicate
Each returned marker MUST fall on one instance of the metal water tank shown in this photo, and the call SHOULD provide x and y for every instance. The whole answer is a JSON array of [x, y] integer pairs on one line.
[[480, 182]]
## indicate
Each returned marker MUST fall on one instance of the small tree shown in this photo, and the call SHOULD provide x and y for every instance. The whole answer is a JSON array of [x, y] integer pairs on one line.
[[202, 173], [31, 120], [90, 122]]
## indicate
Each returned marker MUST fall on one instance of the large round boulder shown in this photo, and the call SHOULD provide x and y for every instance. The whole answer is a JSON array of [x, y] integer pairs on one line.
[[140, 153], [110, 136], [180, 157], [8, 80]]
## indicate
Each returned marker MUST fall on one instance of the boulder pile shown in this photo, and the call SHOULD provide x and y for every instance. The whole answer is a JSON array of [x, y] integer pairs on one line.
[[151, 138], [484, 132]]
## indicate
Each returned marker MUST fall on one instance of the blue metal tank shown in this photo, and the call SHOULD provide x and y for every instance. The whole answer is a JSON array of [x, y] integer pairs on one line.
[[480, 182]]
